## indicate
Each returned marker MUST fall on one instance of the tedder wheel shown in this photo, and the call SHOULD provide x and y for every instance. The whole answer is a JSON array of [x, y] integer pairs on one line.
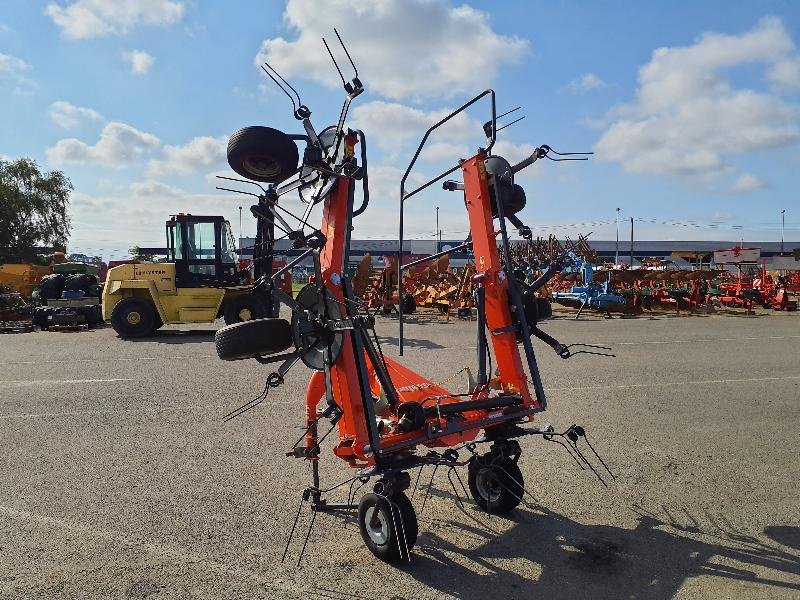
[[388, 525], [497, 486], [262, 154], [133, 317], [248, 339], [244, 308]]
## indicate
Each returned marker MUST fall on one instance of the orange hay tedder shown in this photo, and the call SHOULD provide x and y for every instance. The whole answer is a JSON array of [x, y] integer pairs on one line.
[[390, 419]]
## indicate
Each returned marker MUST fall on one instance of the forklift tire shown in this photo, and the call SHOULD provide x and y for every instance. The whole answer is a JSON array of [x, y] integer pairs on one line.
[[263, 154], [244, 308], [388, 525], [497, 487], [248, 339], [133, 318]]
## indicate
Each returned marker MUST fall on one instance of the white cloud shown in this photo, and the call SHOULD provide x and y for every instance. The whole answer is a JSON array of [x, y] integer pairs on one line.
[[403, 48], [393, 125], [139, 61], [150, 188], [119, 145], [748, 182], [12, 64], [13, 69], [199, 153], [586, 83], [69, 116], [85, 19], [786, 73], [689, 116]]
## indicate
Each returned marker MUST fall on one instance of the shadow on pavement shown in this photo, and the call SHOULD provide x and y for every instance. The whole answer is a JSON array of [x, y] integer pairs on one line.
[[547, 555], [191, 336]]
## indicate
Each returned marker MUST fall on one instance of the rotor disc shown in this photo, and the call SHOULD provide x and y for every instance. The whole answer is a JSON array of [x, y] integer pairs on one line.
[[311, 337]]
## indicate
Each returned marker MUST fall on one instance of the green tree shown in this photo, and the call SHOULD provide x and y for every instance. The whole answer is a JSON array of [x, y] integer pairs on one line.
[[34, 209], [136, 254]]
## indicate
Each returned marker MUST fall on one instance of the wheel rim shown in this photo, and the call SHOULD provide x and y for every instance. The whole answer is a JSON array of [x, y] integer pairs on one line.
[[134, 318], [488, 485], [262, 166], [376, 525], [245, 314]]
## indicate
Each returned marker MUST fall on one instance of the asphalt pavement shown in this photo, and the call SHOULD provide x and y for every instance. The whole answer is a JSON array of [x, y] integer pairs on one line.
[[119, 479]]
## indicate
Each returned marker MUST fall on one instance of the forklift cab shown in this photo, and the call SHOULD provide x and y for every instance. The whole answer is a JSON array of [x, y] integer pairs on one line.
[[203, 250]]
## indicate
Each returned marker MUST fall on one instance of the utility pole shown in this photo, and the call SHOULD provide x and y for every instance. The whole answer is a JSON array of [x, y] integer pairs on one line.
[[783, 222], [631, 242], [438, 235], [616, 251], [240, 225]]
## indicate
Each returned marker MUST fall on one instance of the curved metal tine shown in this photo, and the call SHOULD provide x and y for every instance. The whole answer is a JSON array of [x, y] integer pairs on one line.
[[590, 346], [308, 535], [247, 405], [392, 507], [520, 484], [569, 153], [602, 462], [428, 491], [242, 181], [294, 216], [352, 499], [416, 482], [283, 89], [548, 157], [609, 355], [508, 112], [463, 487], [291, 87], [588, 464], [237, 191], [287, 230], [294, 525], [510, 124], [335, 64], [563, 445], [455, 489], [352, 64]]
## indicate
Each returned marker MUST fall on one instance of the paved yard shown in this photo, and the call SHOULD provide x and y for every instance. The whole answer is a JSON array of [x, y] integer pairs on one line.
[[119, 479]]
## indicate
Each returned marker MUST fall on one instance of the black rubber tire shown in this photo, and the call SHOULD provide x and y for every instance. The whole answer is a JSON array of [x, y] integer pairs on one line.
[[80, 282], [235, 310], [396, 510], [89, 315], [262, 154], [260, 337], [506, 485], [51, 287], [408, 304], [124, 313]]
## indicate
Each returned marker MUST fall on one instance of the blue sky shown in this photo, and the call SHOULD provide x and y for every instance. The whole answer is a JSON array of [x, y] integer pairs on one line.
[[693, 109]]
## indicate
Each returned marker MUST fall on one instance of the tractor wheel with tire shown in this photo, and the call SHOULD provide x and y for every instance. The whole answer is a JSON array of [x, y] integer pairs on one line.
[[51, 287], [496, 484], [262, 154], [134, 318], [248, 339], [388, 525], [244, 308]]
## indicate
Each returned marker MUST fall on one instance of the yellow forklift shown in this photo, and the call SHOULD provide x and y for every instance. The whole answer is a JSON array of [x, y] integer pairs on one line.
[[200, 282]]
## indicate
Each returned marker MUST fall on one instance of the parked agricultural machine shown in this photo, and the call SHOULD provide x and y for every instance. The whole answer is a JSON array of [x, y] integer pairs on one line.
[[390, 419], [428, 283]]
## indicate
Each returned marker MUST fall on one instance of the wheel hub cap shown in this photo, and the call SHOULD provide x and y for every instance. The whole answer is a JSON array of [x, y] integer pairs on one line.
[[134, 318], [377, 527], [488, 484], [245, 314]]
